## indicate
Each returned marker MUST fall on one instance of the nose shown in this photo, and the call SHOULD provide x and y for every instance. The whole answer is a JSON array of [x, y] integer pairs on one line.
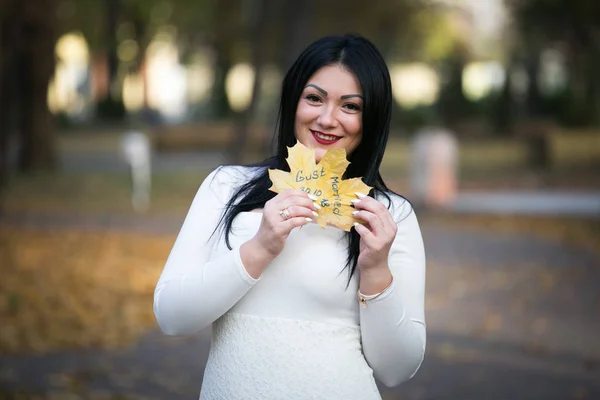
[[327, 117]]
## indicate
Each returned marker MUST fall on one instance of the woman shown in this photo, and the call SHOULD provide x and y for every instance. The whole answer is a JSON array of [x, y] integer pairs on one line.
[[287, 322]]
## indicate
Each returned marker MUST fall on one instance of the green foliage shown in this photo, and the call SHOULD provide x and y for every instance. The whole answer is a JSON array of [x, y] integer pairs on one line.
[[409, 120], [437, 36], [557, 19], [566, 109], [139, 20], [573, 27], [110, 109]]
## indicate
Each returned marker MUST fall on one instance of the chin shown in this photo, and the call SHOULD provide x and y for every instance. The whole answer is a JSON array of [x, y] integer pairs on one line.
[[319, 153]]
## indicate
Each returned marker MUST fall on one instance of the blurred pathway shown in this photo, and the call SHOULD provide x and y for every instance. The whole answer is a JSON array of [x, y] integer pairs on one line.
[[576, 203], [517, 201], [509, 317], [161, 162]]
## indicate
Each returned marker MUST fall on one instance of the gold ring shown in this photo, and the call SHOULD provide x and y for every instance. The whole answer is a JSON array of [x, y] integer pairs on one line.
[[285, 214]]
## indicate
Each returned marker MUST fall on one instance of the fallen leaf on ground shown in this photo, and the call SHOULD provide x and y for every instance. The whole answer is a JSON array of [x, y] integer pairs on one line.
[[73, 289]]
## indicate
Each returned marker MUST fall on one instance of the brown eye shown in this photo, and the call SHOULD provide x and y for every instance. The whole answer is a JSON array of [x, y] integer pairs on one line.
[[352, 107], [313, 98]]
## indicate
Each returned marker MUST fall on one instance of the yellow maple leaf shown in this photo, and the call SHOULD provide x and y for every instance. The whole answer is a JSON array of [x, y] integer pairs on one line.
[[324, 181]]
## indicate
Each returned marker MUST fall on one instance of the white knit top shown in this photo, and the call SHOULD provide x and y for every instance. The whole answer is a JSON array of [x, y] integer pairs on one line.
[[297, 332]]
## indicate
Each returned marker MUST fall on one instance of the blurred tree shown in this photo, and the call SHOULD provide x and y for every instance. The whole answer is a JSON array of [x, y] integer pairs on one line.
[[8, 39], [111, 105], [120, 31], [220, 26], [257, 18], [452, 105], [28, 37], [389, 24], [227, 30], [287, 30], [38, 147], [573, 26]]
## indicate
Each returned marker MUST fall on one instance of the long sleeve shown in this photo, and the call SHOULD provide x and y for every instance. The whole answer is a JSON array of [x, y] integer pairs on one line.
[[194, 289], [393, 324]]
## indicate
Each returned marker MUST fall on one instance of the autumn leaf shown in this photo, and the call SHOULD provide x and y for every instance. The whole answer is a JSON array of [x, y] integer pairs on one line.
[[324, 181]]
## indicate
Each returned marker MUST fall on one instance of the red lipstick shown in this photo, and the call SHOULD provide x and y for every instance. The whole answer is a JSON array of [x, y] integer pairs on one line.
[[322, 140]]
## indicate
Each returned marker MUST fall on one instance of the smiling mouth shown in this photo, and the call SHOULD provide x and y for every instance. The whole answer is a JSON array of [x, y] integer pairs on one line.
[[324, 138]]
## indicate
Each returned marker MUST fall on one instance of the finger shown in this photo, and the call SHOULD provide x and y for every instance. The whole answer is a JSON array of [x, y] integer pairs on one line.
[[291, 193], [287, 198], [373, 220], [376, 207], [368, 203], [365, 234], [299, 211], [292, 223], [298, 201]]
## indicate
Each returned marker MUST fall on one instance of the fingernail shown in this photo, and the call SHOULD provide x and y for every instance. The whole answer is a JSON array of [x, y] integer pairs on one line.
[[361, 195], [355, 212], [356, 224], [315, 214], [318, 207], [355, 201], [310, 196], [308, 219]]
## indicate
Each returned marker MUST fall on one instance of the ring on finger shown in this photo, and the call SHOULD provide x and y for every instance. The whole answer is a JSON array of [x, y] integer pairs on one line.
[[285, 214]]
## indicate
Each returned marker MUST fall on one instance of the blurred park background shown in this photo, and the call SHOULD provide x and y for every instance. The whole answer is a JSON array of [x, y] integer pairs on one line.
[[96, 95]]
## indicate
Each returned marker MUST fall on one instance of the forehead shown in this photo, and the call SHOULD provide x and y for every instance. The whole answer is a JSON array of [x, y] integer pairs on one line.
[[337, 79]]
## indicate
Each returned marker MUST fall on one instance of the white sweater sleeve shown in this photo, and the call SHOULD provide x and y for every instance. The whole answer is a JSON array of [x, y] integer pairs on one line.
[[194, 289], [393, 324]]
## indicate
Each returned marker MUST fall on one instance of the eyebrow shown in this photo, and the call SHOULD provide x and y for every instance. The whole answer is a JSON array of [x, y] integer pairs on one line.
[[347, 96], [318, 88], [324, 92]]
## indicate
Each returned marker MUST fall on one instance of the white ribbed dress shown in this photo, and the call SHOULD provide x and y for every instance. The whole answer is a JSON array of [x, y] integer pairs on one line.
[[296, 332]]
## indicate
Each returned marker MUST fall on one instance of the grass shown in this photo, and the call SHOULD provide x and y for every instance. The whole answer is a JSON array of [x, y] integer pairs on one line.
[[97, 193]]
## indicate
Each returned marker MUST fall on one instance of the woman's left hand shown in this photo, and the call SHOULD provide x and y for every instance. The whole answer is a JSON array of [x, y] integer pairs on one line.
[[377, 235]]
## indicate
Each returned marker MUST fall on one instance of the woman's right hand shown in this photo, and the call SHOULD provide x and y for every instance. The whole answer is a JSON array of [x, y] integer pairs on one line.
[[275, 228]]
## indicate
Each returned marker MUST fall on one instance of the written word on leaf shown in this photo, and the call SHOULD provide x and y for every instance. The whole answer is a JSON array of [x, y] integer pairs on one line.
[[324, 181]]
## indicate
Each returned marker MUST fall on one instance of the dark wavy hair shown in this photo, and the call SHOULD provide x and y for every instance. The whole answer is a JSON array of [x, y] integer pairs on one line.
[[359, 56]]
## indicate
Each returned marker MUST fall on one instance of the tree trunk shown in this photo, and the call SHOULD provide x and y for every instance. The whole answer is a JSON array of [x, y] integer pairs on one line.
[[219, 103], [298, 23], [113, 12], [259, 23], [225, 34], [533, 99], [7, 58], [111, 107], [594, 89], [36, 127], [5, 108], [141, 34], [582, 86], [504, 110]]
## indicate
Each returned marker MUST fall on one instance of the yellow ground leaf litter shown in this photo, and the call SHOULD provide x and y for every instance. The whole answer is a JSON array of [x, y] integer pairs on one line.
[[72, 289]]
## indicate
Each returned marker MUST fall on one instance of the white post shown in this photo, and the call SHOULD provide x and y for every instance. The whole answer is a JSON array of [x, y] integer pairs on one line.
[[137, 152], [434, 167]]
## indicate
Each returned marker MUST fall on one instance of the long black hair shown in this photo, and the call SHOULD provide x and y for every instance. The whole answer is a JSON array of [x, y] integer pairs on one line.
[[361, 57]]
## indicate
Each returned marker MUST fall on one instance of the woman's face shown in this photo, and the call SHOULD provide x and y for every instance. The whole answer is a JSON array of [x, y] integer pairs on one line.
[[329, 113]]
